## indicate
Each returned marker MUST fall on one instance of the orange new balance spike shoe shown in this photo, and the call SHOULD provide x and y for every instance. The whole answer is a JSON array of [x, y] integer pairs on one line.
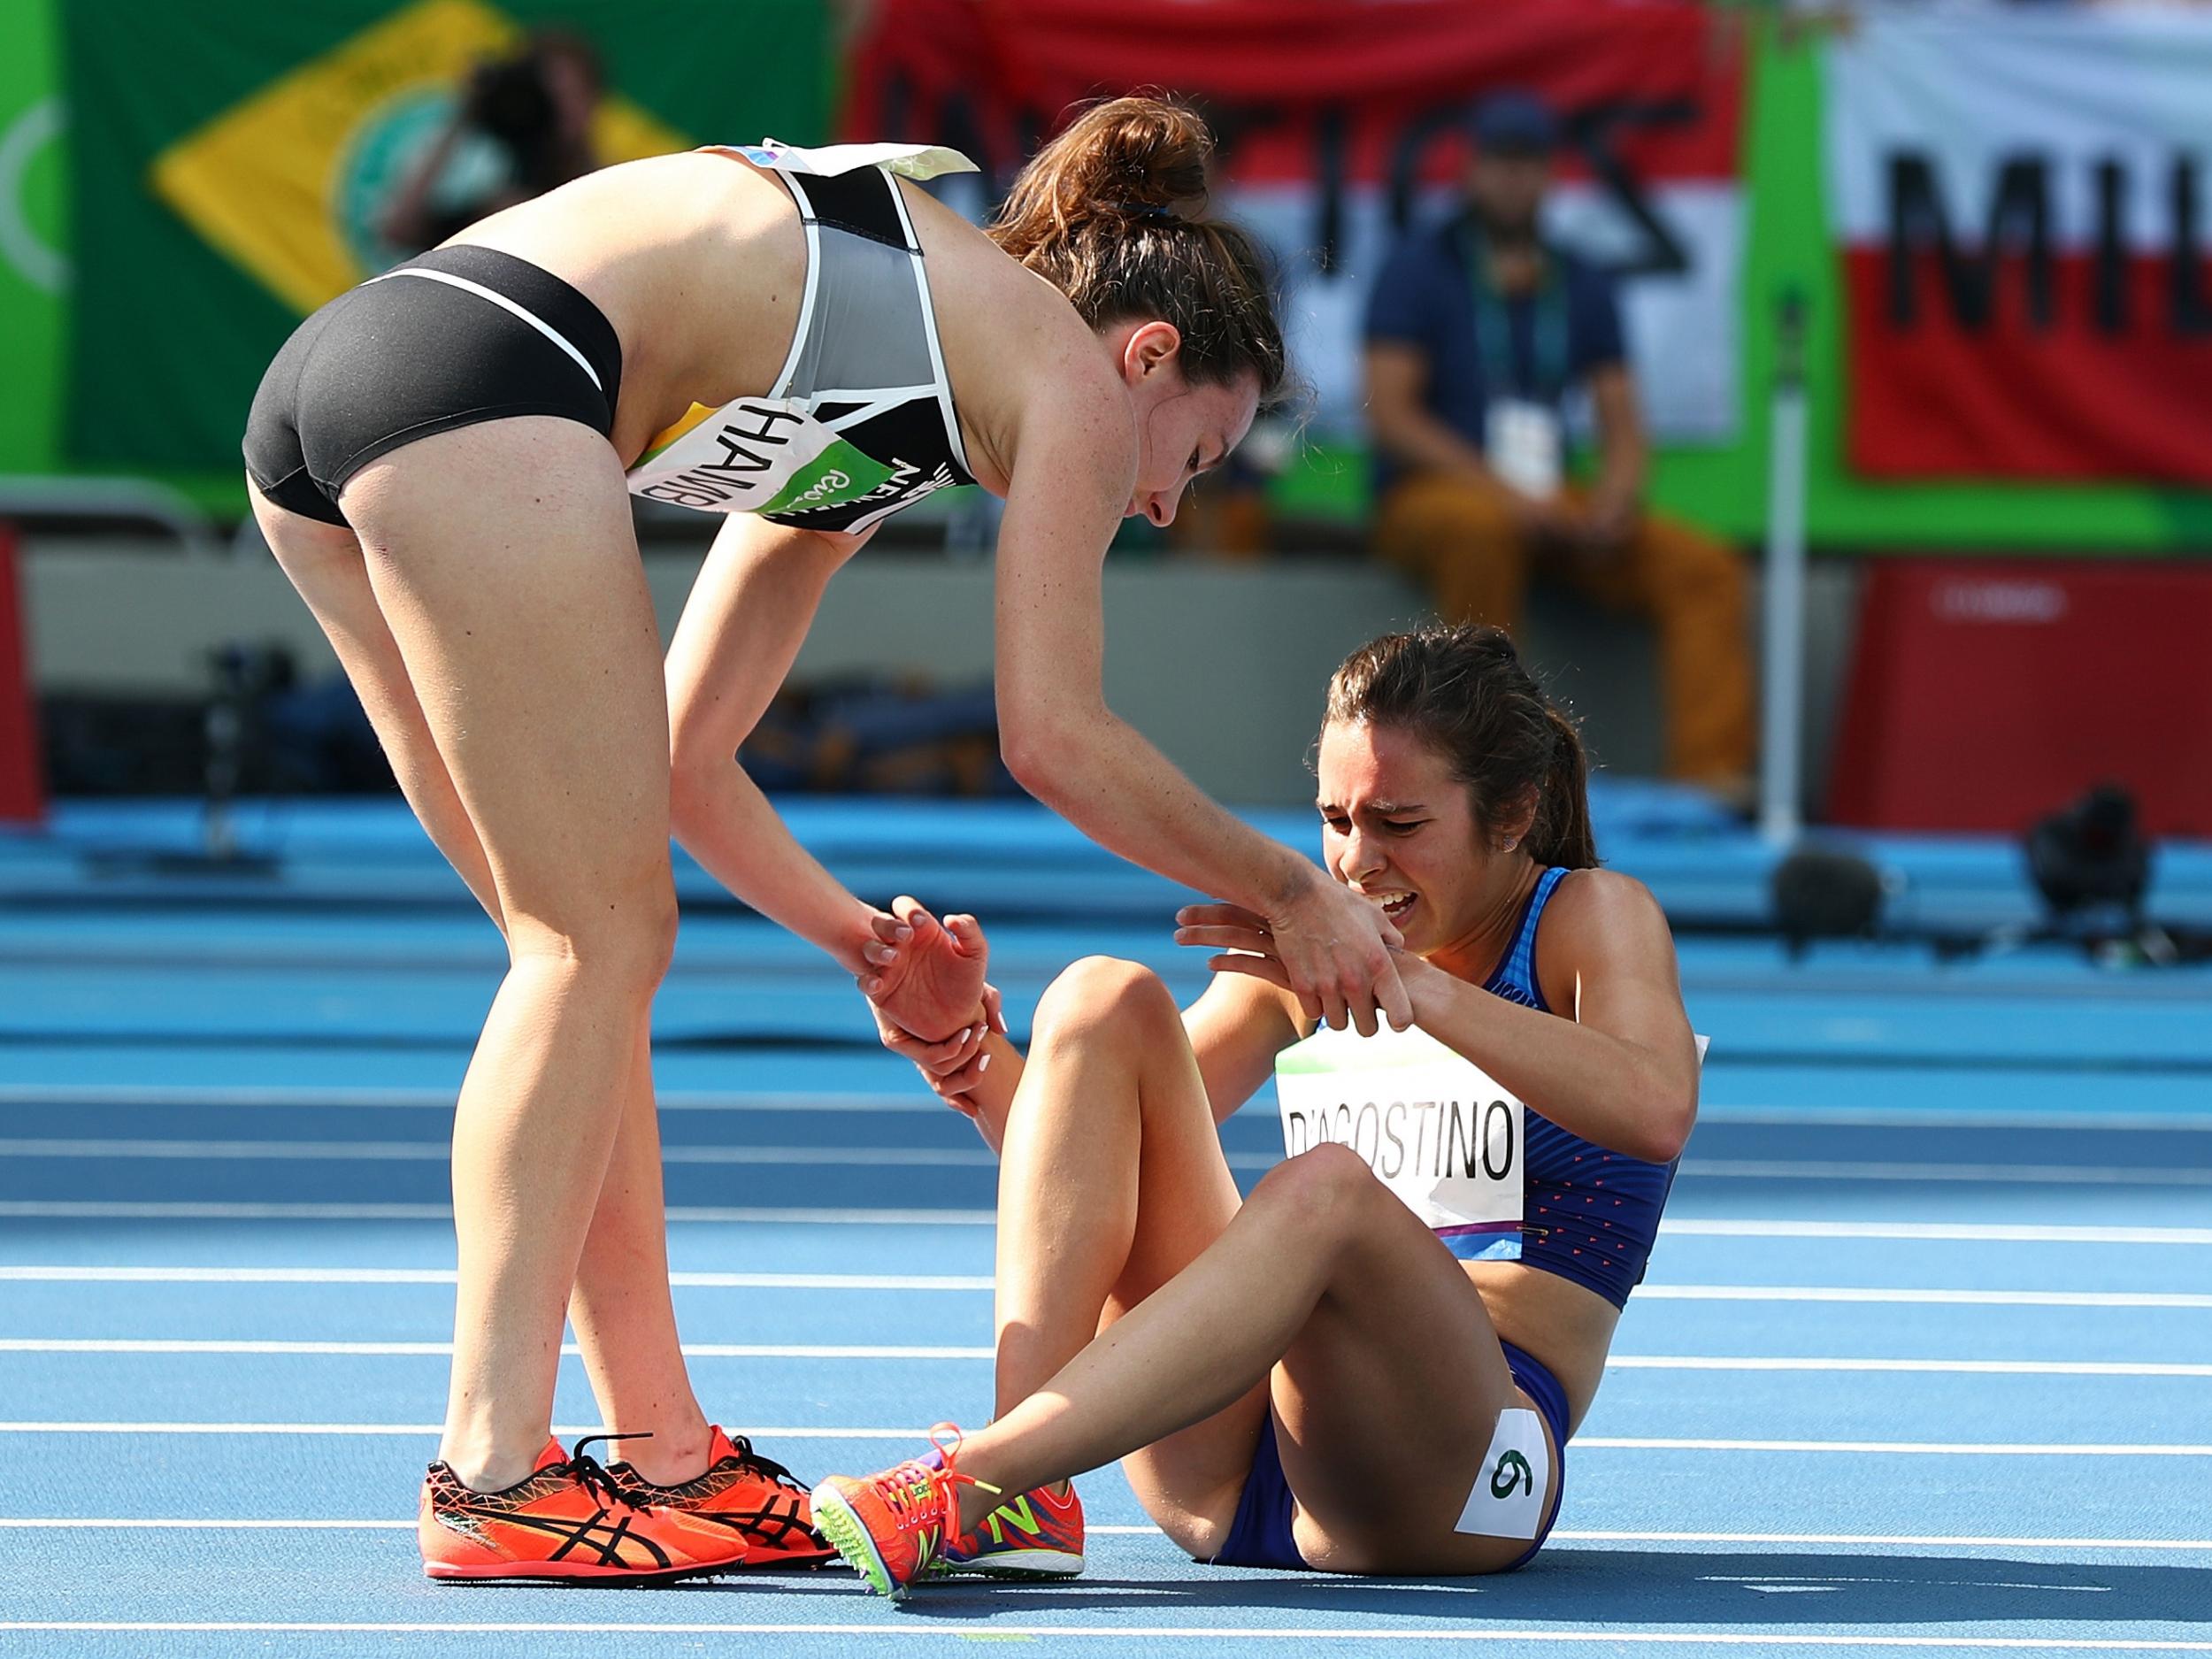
[[1033, 1536], [890, 1528], [567, 1522], [753, 1497]]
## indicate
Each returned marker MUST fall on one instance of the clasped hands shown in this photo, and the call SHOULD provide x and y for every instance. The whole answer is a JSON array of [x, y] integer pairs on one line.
[[927, 986]]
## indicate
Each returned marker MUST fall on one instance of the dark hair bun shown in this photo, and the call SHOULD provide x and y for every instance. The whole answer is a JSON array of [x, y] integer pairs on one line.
[[1110, 213], [1141, 153]]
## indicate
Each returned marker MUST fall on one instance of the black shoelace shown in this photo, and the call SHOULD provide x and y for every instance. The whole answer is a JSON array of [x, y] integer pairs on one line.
[[592, 1475], [747, 1457]]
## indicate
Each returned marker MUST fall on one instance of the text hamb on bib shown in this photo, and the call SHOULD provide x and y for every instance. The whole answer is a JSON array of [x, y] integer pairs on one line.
[[1437, 1130]]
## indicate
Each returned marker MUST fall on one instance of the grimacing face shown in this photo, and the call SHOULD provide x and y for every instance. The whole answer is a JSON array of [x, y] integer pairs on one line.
[[1400, 829]]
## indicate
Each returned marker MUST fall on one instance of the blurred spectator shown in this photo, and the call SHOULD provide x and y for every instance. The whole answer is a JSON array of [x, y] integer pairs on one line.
[[533, 109], [1477, 332]]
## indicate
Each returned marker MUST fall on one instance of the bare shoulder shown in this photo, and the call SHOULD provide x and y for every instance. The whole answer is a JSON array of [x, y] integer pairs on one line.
[[1603, 920], [1600, 900], [1018, 355]]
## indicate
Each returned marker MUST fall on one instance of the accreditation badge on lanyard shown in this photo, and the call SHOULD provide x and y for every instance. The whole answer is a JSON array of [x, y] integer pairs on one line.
[[1436, 1128], [1525, 441], [1523, 445]]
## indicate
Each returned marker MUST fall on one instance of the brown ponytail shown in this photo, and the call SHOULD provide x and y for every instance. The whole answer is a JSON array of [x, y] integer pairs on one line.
[[1108, 213], [1463, 691]]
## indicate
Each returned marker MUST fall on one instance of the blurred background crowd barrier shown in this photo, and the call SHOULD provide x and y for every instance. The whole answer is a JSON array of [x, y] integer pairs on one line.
[[1988, 220]]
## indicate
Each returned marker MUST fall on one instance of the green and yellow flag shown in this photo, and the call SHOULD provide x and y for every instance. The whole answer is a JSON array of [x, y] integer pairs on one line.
[[231, 160]]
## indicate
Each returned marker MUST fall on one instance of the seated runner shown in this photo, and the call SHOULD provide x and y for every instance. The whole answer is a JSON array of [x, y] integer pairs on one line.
[[1316, 1377]]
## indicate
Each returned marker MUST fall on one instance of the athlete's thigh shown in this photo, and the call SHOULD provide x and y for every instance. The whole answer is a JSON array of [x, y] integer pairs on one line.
[[1189, 1483], [503, 559], [325, 564], [1388, 1400]]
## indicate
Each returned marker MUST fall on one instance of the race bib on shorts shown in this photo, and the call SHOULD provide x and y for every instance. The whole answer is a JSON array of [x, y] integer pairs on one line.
[[1515, 1480], [758, 454], [1525, 447], [1436, 1128]]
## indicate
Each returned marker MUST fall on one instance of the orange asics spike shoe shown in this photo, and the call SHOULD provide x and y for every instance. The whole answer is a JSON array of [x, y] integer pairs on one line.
[[569, 1522], [755, 1497], [1033, 1536], [890, 1527]]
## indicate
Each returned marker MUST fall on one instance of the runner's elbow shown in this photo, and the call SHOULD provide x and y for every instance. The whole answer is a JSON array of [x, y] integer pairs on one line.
[[1042, 755], [1663, 1128]]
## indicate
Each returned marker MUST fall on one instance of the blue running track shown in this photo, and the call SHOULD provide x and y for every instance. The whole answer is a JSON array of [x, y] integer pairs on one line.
[[1924, 1364]]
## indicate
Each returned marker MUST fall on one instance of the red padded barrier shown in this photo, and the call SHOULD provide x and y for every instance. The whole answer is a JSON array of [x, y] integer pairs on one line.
[[1984, 694], [22, 799]]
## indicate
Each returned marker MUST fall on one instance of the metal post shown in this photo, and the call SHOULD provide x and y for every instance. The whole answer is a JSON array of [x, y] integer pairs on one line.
[[1782, 696]]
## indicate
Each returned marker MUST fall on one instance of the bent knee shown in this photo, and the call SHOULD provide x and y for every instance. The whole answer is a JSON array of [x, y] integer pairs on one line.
[[628, 935], [1105, 997], [1324, 1183]]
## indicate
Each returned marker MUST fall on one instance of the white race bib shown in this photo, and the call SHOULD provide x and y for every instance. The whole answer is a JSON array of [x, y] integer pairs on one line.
[[1508, 1499], [1525, 447], [1436, 1128]]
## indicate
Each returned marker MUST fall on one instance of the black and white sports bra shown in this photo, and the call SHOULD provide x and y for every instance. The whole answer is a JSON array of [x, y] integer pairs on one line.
[[860, 422]]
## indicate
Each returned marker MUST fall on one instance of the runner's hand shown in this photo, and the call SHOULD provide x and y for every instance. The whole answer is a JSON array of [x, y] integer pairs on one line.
[[1330, 949], [953, 1067], [930, 982]]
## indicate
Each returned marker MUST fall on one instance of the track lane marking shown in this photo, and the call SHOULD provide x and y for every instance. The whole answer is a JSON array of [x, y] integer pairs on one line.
[[981, 1283], [1691, 1227], [907, 1630], [258, 1096], [1887, 1540], [982, 1158], [1597, 1442], [298, 1347]]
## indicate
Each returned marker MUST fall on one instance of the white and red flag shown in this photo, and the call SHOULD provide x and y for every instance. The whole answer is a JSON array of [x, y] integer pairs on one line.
[[1338, 121], [2020, 198]]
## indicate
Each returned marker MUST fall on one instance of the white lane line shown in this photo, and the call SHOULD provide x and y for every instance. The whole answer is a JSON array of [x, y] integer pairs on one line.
[[981, 1158], [1867, 1541], [2017, 1174], [981, 1283], [814, 1351], [315, 1097], [1581, 1442], [1905, 1449], [1825, 1540], [1915, 1298], [1691, 1227], [95, 1095], [73, 1209], [382, 1350], [1933, 1231], [905, 1630], [182, 1524], [1938, 1367], [446, 1276], [439, 1152], [2183, 1121], [421, 1431]]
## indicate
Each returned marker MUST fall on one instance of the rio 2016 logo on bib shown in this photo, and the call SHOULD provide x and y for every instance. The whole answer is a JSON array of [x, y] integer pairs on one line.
[[1437, 1130]]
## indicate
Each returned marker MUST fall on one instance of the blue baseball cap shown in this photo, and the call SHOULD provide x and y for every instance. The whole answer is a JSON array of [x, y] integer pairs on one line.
[[1515, 123]]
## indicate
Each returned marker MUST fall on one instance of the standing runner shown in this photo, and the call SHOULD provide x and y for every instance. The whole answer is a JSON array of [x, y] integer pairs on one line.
[[1318, 1377], [441, 460]]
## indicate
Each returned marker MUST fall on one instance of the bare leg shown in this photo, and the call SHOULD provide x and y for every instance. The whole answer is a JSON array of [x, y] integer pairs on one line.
[[501, 560], [1111, 1182], [325, 565], [1390, 1384], [624, 1321]]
